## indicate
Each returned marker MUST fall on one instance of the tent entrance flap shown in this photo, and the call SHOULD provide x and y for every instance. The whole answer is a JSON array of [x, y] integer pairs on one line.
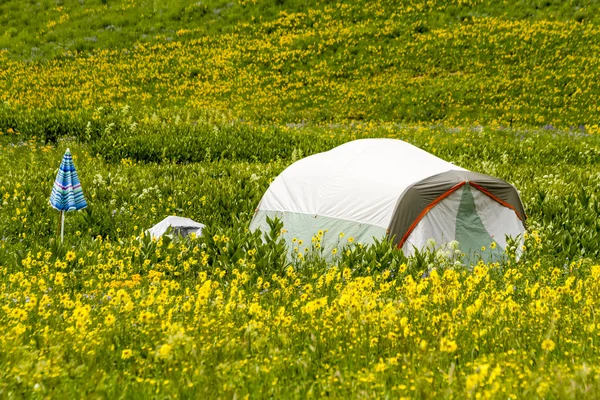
[[427, 209], [477, 222], [420, 197]]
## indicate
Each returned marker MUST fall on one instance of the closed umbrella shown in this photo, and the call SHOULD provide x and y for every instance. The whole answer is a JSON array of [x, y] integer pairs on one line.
[[66, 192]]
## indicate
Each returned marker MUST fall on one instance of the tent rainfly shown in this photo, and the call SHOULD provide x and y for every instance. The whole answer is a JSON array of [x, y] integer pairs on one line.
[[179, 226], [375, 188]]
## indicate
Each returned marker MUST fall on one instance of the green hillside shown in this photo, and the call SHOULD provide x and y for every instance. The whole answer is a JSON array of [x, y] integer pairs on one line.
[[86, 25], [506, 63]]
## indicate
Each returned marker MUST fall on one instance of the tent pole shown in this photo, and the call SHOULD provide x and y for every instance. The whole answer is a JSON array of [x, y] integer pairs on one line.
[[62, 226]]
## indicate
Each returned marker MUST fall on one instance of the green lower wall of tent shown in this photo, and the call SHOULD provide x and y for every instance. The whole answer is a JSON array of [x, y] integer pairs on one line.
[[473, 238], [305, 226]]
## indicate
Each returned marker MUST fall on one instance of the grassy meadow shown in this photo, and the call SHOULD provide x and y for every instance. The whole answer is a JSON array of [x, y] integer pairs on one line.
[[192, 108]]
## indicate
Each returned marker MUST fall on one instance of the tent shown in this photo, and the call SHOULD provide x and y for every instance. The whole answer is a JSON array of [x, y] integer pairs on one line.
[[370, 189], [179, 225]]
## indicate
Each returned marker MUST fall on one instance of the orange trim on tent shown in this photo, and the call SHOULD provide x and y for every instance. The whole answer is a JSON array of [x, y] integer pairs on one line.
[[448, 193], [502, 202], [429, 207]]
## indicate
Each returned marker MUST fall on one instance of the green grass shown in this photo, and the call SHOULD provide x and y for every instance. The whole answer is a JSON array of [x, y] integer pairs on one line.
[[204, 156], [110, 24], [481, 63], [83, 26]]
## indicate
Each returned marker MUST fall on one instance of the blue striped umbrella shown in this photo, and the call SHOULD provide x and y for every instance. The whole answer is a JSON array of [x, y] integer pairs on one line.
[[66, 192]]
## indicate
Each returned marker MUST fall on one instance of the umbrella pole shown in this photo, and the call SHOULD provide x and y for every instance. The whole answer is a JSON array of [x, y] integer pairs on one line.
[[62, 226]]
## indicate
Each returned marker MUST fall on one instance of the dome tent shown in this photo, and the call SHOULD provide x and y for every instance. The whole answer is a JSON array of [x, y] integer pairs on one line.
[[375, 188]]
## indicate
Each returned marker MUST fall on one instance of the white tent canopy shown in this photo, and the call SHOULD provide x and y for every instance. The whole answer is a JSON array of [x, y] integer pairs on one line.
[[179, 225], [371, 188]]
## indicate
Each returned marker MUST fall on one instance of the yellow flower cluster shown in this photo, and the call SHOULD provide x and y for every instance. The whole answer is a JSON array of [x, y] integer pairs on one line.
[[391, 332]]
